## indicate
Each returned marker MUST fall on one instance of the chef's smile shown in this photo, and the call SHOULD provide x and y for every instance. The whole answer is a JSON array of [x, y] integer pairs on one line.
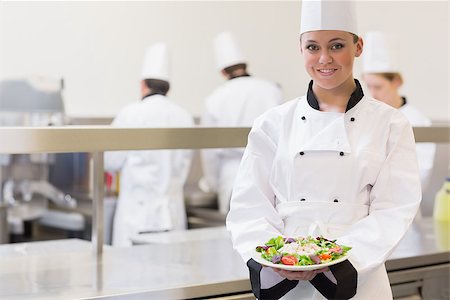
[[327, 72]]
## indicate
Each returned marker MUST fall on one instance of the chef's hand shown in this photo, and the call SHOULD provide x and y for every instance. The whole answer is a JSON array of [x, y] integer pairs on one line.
[[299, 275]]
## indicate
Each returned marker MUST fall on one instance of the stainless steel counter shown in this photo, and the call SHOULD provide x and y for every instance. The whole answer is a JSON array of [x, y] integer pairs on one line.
[[67, 269], [421, 263], [193, 235], [203, 265], [427, 242]]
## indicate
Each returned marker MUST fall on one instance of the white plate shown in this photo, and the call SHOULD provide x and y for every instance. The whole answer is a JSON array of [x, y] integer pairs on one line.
[[257, 257]]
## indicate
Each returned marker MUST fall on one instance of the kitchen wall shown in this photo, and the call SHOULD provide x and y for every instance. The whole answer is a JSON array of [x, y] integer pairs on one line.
[[97, 47]]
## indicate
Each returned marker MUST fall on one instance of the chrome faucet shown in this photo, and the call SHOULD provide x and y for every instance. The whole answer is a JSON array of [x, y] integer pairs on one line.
[[8, 193], [44, 188], [29, 187]]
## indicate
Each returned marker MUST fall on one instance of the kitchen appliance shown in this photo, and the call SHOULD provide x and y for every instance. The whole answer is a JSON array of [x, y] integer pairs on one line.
[[25, 190]]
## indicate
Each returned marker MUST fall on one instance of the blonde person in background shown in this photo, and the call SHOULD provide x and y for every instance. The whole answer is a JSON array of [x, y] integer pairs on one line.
[[381, 74], [236, 103], [333, 162], [151, 186]]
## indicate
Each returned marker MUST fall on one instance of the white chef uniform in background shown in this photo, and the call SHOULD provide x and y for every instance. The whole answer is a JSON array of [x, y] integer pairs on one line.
[[151, 183], [352, 176], [380, 57], [236, 103]]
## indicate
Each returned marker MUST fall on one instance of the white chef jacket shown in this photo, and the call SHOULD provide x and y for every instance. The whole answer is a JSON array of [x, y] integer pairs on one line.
[[425, 151], [351, 176], [236, 103], [151, 183]]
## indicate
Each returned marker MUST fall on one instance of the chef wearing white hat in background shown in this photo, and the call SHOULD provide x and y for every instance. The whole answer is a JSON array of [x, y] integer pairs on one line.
[[333, 162], [382, 76], [236, 103], [151, 186]]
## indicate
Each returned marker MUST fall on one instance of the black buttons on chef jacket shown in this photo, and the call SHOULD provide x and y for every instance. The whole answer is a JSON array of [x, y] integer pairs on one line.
[[341, 153], [302, 153], [303, 118], [335, 200], [352, 119]]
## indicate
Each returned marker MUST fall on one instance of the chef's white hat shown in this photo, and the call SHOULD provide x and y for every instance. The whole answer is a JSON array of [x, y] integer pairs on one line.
[[379, 54], [156, 62], [328, 15], [227, 51]]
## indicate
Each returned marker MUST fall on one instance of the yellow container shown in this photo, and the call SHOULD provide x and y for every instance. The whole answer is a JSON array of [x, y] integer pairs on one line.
[[442, 235], [441, 211]]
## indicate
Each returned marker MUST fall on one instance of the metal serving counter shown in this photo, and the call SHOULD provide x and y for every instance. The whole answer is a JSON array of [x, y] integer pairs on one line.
[[421, 263], [202, 265], [66, 269]]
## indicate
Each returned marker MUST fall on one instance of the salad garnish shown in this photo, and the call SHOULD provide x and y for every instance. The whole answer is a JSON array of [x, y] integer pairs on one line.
[[302, 251]]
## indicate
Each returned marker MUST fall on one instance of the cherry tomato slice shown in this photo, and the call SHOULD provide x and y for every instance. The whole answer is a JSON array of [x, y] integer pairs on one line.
[[289, 260], [324, 256]]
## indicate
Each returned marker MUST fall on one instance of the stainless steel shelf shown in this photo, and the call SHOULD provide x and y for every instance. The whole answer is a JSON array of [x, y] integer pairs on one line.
[[106, 138], [434, 134], [21, 140]]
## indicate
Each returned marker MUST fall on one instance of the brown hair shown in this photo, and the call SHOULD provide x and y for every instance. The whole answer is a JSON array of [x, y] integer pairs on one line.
[[231, 69], [391, 76], [158, 86]]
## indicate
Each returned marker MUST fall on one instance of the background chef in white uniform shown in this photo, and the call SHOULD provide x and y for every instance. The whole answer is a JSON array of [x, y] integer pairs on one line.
[[382, 76], [333, 162], [235, 103], [151, 183]]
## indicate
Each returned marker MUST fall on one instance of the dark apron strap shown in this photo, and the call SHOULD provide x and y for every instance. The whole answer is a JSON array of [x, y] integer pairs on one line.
[[347, 281], [275, 292]]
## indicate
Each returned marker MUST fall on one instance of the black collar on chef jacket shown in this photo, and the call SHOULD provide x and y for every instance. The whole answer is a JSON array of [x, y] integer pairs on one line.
[[357, 95], [404, 101], [237, 76], [152, 94]]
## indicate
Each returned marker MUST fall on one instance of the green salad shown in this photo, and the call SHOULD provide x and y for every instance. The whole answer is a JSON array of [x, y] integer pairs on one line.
[[302, 251]]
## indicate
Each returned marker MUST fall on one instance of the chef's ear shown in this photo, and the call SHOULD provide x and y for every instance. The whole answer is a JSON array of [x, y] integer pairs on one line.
[[397, 81], [144, 88], [359, 47], [225, 74]]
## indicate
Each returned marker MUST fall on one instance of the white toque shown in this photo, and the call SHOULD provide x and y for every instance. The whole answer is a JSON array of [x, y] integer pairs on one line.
[[379, 54], [328, 15], [156, 62], [227, 51]]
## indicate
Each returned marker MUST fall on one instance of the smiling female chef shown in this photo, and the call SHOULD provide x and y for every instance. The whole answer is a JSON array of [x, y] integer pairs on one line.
[[333, 162]]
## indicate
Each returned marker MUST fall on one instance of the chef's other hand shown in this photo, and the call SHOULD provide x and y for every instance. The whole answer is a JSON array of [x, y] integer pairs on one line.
[[299, 275]]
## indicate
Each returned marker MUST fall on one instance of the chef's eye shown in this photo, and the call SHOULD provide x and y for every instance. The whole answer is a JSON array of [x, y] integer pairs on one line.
[[337, 46], [312, 47]]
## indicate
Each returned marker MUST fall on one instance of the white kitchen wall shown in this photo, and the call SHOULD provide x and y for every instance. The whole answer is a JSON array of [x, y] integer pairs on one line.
[[97, 47]]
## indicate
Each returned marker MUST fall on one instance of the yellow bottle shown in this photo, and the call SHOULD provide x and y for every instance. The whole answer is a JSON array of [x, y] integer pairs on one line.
[[441, 210]]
